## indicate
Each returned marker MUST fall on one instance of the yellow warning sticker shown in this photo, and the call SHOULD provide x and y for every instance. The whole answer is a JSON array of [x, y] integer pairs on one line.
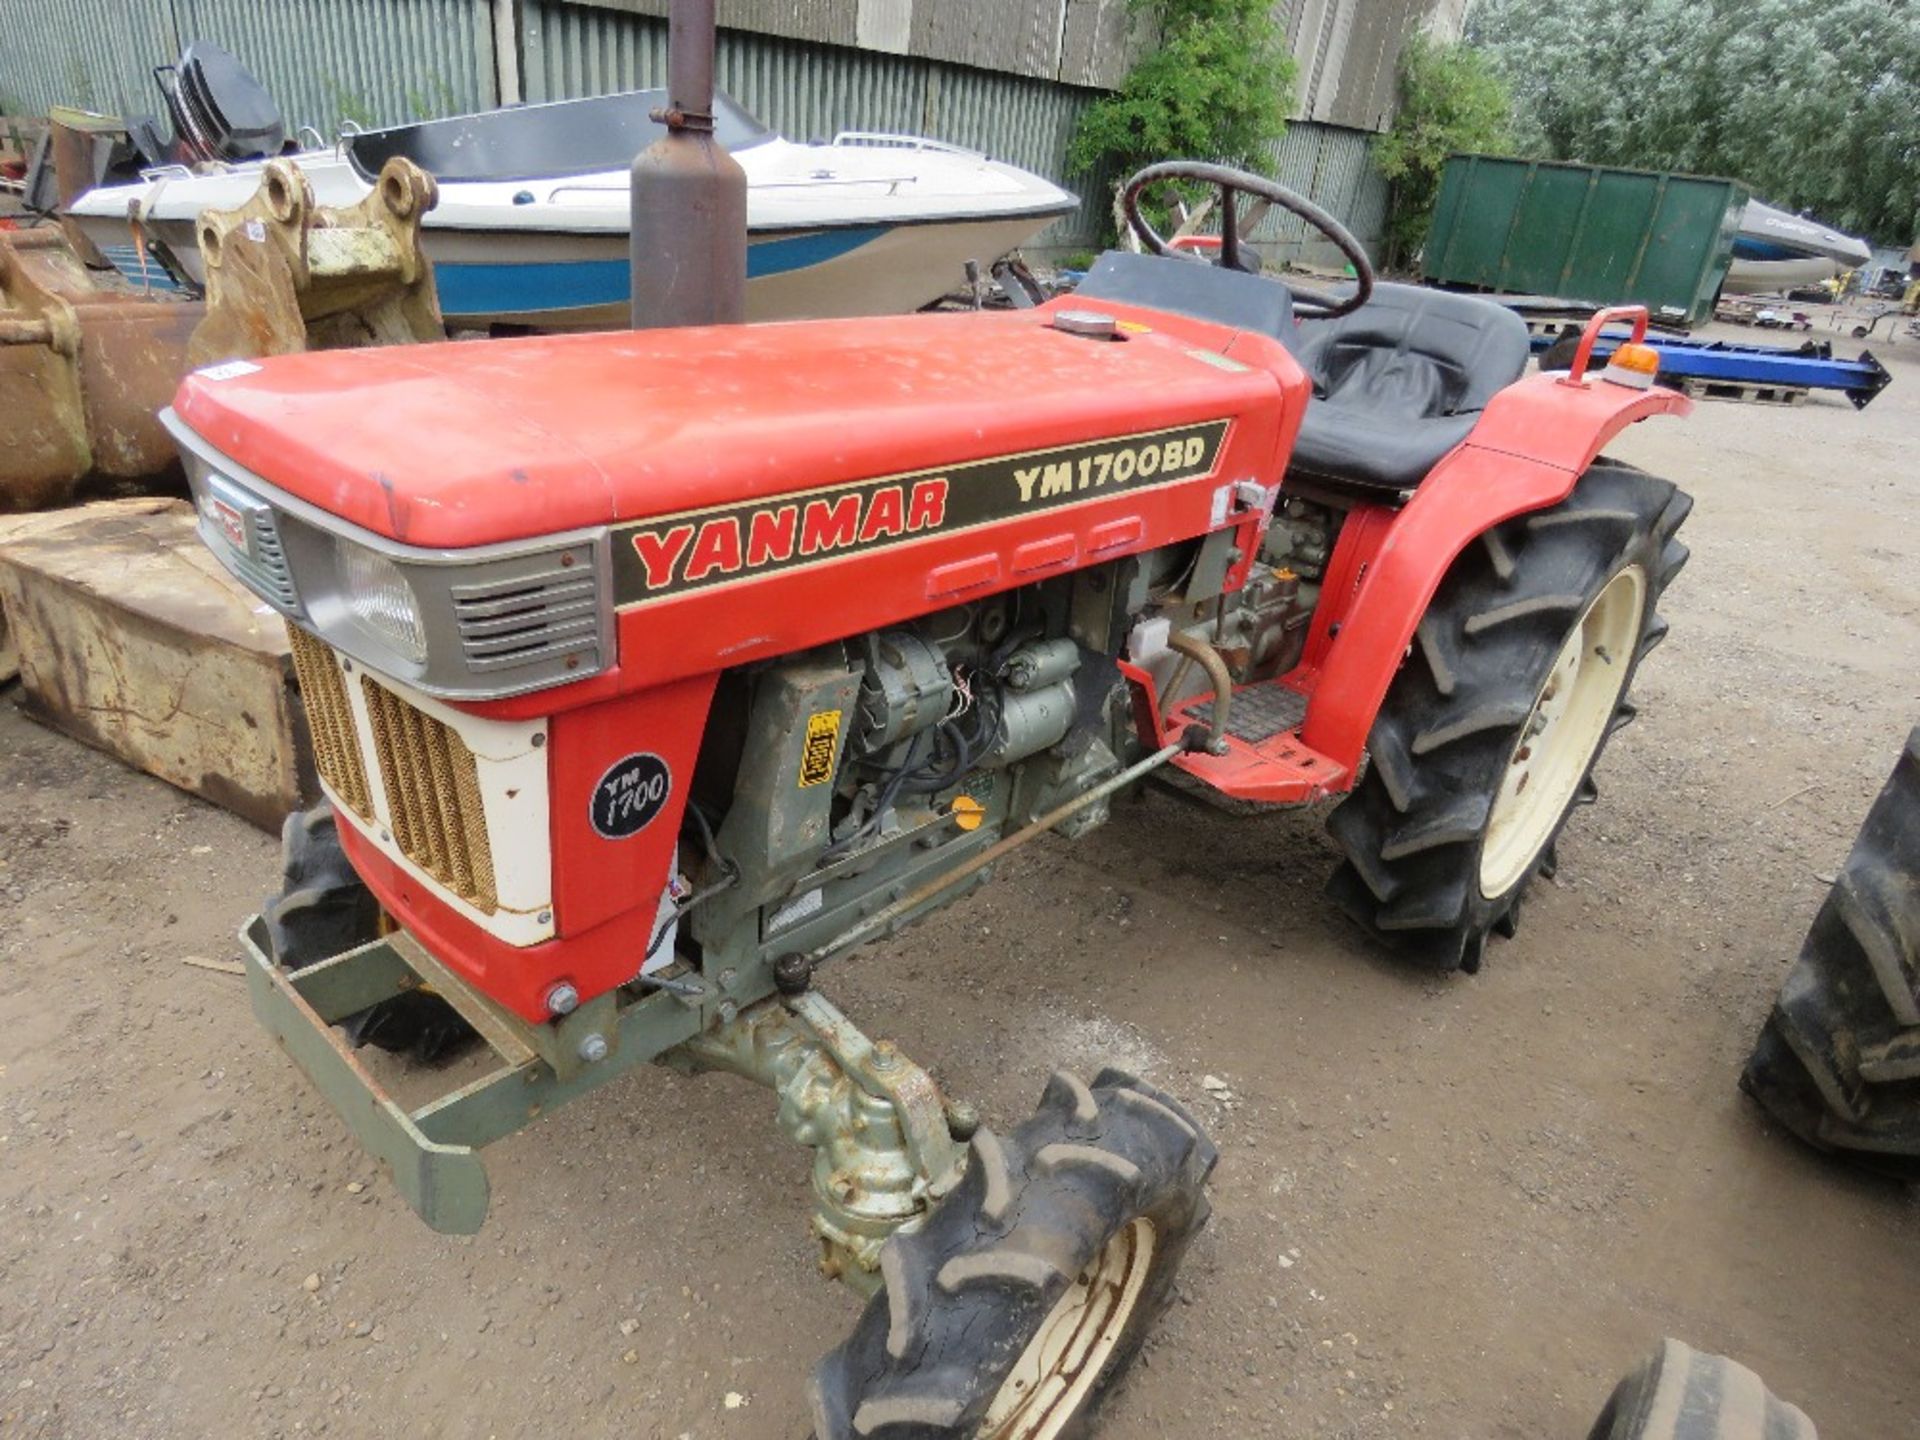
[[818, 750]]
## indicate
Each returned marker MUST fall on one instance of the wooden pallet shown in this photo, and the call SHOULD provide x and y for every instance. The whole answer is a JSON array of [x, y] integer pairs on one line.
[[1751, 394]]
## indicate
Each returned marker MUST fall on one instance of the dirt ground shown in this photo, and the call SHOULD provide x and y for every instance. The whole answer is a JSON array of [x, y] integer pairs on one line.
[[1444, 1208]]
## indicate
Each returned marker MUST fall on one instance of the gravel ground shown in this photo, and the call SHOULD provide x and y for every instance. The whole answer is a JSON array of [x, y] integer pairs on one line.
[[1444, 1208]]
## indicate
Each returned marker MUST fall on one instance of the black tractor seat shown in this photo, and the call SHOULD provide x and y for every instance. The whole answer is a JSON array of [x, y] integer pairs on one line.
[[1396, 384], [1399, 383]]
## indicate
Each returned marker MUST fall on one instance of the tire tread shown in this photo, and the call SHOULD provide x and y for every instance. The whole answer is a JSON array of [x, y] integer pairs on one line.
[[1851, 995], [964, 1291]]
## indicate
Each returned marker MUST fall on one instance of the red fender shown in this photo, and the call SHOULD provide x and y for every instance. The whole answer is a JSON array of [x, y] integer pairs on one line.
[[1534, 440]]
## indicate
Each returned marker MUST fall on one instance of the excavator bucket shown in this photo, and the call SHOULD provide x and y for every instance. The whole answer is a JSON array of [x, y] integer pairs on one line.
[[285, 274], [87, 361], [85, 367]]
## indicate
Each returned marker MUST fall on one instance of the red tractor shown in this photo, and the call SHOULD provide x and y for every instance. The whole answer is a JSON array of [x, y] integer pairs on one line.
[[648, 671]]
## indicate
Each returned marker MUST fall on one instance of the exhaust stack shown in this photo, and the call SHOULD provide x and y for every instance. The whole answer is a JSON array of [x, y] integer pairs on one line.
[[688, 246]]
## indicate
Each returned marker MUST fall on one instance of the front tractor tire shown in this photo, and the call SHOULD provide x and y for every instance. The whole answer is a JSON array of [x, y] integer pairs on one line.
[[1016, 1308], [324, 909], [1487, 739]]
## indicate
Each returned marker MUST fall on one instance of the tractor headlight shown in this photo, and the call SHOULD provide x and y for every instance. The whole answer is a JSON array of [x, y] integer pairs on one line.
[[379, 596]]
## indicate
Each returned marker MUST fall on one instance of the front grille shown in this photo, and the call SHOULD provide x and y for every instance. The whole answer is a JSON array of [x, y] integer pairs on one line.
[[534, 618], [330, 720], [433, 796]]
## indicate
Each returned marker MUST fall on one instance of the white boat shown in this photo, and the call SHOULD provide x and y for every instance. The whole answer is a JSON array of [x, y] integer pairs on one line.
[[1775, 252], [531, 227]]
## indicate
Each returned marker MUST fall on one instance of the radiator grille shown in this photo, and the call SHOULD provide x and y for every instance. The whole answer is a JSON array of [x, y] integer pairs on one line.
[[433, 794], [531, 619], [336, 751]]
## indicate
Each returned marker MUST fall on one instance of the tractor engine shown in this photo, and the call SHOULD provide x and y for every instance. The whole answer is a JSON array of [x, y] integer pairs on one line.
[[934, 710], [853, 771]]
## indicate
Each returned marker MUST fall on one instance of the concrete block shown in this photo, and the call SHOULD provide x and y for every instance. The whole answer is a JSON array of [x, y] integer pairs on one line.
[[131, 637]]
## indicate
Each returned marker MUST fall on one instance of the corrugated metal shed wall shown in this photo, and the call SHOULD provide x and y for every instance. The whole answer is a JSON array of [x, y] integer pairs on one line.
[[1347, 50], [1333, 168], [1081, 42], [1349, 53], [378, 61], [92, 53], [375, 61]]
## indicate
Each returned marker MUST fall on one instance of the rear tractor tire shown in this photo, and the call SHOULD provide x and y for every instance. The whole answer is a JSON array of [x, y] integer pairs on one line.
[[1016, 1308], [1488, 736], [324, 909], [1838, 1061]]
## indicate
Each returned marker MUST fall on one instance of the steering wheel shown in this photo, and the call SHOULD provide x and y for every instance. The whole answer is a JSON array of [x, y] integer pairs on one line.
[[1232, 184]]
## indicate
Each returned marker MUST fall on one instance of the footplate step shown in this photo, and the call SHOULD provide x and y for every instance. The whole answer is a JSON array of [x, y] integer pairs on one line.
[[1266, 761]]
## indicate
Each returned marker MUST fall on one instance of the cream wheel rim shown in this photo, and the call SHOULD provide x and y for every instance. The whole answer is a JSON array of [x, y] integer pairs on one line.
[[1568, 721], [1054, 1375]]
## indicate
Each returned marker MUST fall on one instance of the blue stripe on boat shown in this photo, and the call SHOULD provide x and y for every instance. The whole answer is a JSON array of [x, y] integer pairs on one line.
[[528, 287], [141, 270], [1746, 247]]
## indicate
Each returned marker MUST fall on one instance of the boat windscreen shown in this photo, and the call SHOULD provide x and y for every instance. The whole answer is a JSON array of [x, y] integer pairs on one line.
[[538, 142]]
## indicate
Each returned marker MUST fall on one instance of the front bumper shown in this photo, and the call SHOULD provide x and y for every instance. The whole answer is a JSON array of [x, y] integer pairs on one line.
[[444, 1182], [431, 1150]]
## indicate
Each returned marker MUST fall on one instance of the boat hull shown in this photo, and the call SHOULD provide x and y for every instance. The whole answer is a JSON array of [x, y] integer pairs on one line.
[[1776, 251], [553, 281], [561, 281], [1774, 277]]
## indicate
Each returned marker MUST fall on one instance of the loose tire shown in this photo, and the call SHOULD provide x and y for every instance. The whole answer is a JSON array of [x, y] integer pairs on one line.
[[324, 909], [1838, 1061], [1016, 1308], [1684, 1394], [1516, 679]]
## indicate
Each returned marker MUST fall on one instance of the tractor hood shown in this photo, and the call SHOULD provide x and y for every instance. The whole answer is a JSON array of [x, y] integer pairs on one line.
[[471, 443]]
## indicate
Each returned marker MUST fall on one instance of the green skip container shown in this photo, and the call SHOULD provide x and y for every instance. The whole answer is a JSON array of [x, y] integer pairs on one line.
[[1585, 232]]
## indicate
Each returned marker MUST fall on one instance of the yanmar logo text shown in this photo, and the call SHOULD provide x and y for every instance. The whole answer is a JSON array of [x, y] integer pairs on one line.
[[678, 553]]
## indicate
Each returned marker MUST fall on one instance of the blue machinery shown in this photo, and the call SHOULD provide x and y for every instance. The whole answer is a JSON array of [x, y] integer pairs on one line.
[[1726, 370]]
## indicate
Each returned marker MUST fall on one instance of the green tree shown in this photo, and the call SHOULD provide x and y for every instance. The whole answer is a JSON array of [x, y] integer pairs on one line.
[[1814, 103], [1216, 87], [1450, 100]]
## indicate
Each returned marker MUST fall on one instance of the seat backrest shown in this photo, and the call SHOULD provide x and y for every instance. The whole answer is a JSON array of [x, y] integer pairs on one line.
[[1417, 353], [1186, 287]]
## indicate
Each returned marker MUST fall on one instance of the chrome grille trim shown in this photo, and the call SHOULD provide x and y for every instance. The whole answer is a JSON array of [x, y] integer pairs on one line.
[[275, 580], [530, 619]]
